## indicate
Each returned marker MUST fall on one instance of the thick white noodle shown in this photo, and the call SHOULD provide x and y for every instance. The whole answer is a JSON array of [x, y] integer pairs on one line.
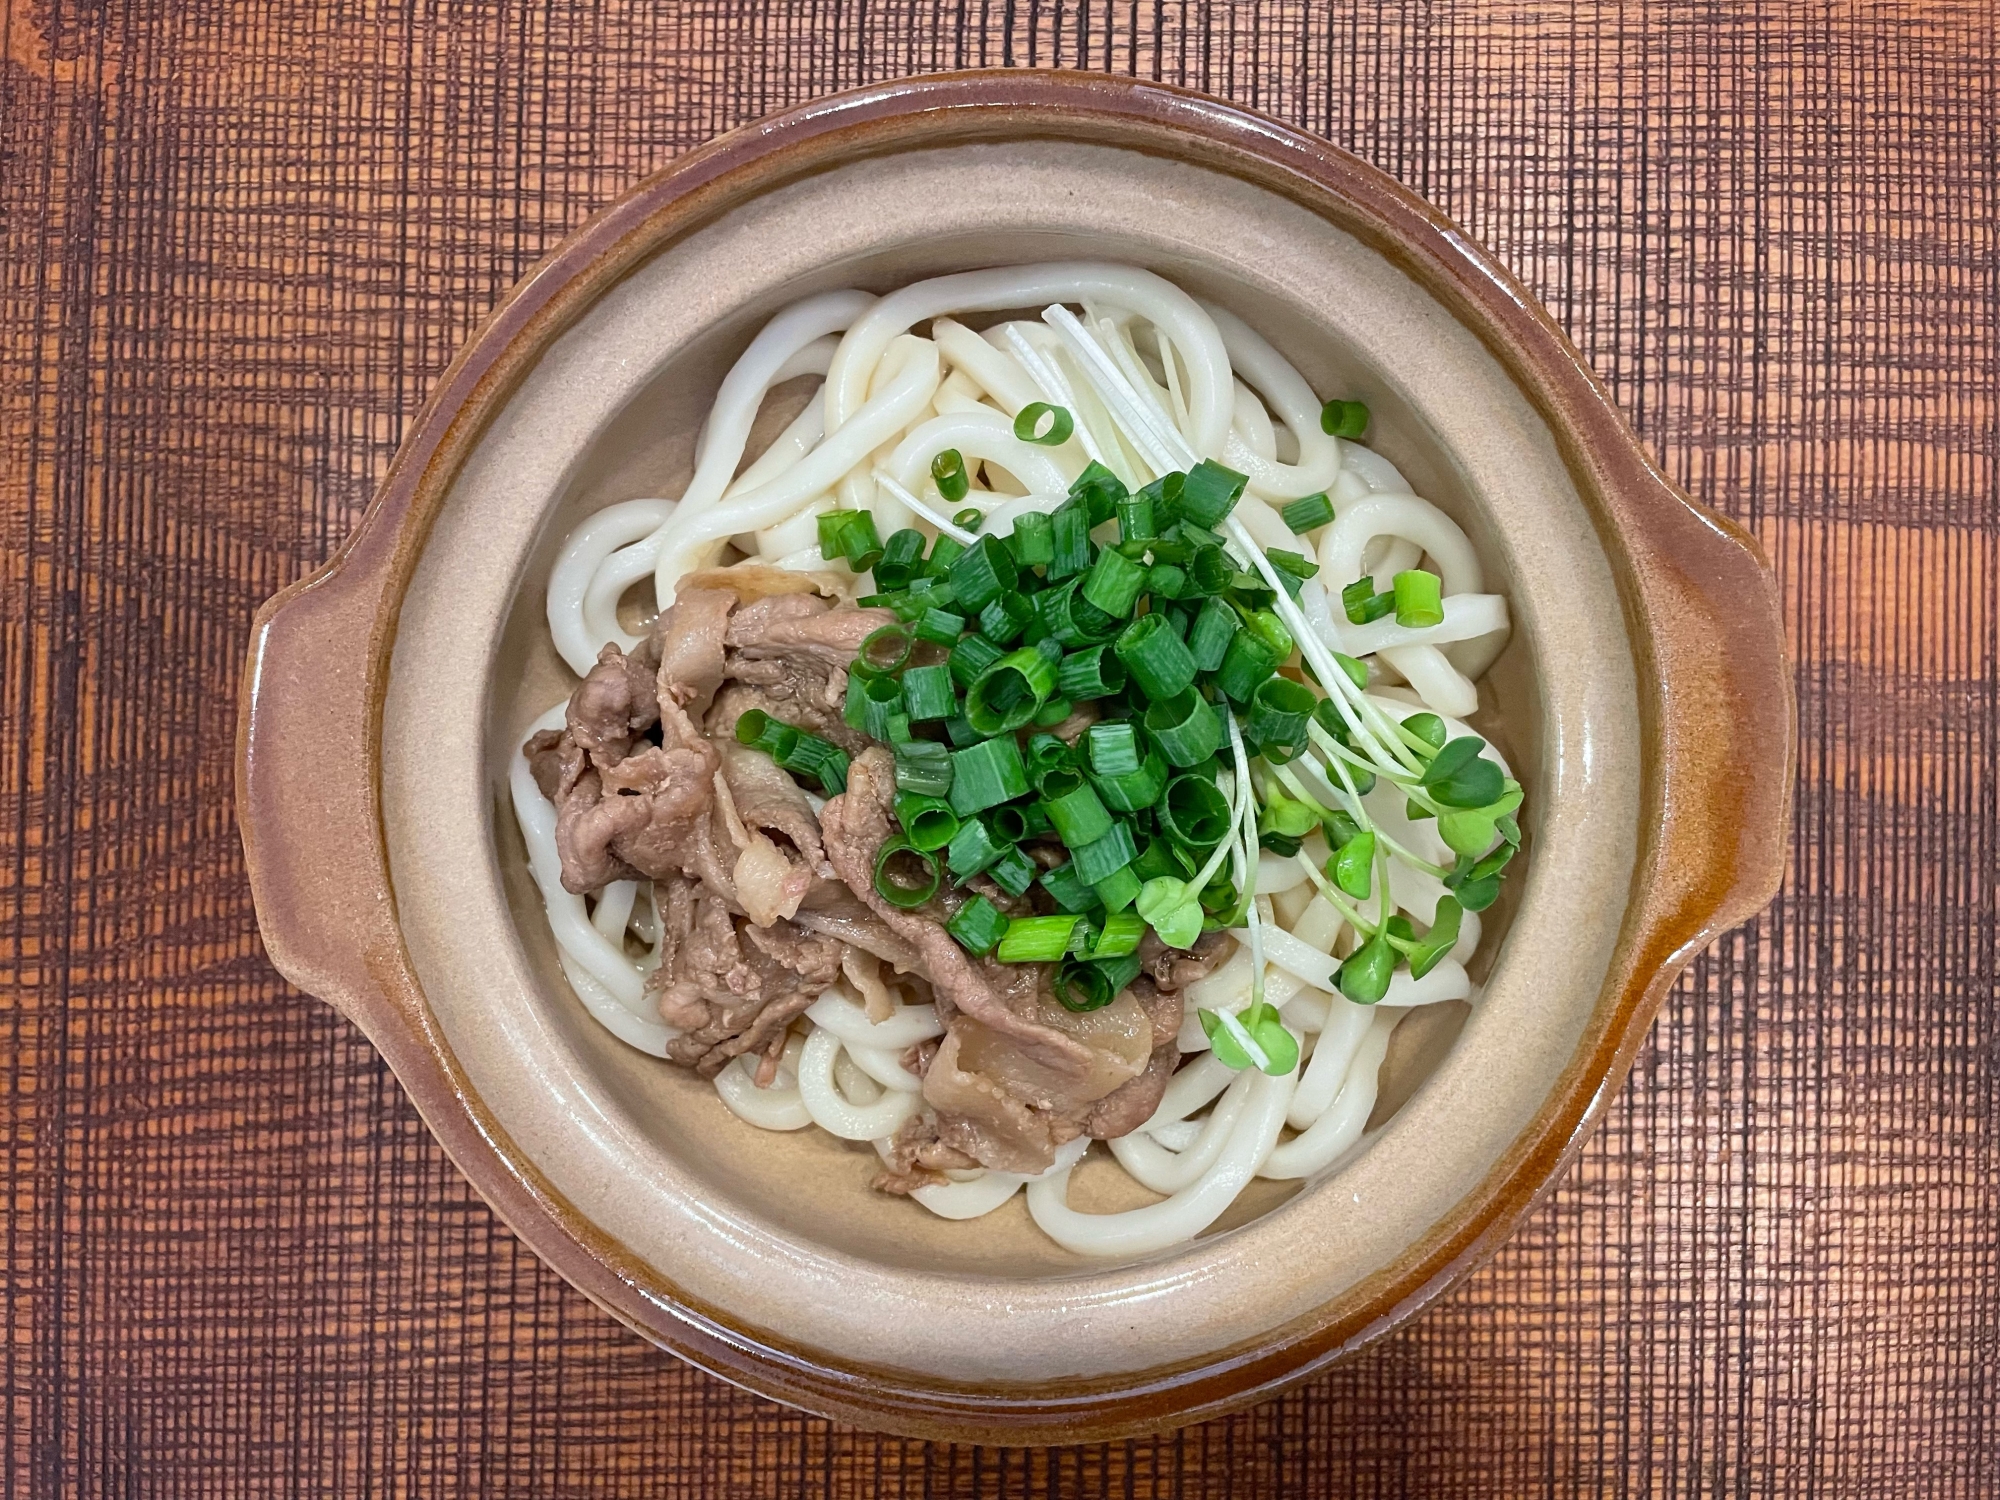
[[981, 1194], [1166, 1171], [832, 1110], [835, 1013], [1286, 393], [1141, 1231], [979, 436], [1342, 1123], [910, 374], [579, 631], [993, 370], [778, 1107]]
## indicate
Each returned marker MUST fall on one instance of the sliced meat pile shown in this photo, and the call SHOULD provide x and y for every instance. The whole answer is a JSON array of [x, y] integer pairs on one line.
[[764, 903]]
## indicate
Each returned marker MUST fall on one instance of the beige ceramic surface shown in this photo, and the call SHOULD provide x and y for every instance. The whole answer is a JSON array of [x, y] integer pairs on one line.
[[778, 1233]]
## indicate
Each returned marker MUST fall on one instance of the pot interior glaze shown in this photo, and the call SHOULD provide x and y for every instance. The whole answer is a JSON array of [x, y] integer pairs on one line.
[[779, 1233]]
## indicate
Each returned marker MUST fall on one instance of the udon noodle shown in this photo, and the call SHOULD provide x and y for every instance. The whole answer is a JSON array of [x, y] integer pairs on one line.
[[1155, 381]]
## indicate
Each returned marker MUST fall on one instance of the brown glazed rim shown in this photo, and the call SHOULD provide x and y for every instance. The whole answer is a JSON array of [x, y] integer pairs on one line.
[[1715, 706]]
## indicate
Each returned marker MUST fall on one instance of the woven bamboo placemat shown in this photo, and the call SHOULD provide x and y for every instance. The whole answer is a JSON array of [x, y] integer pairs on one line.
[[237, 243]]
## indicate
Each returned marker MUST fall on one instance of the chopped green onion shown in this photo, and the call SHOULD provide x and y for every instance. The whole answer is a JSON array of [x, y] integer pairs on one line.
[[1247, 664], [901, 555], [1006, 617], [923, 767], [905, 876], [1279, 709], [1037, 939], [971, 657], [1134, 790], [1114, 748], [1120, 891], [1208, 640], [881, 700], [1083, 987], [1013, 872], [1308, 513], [1006, 695], [1120, 934], [1166, 581], [986, 774], [760, 731], [1052, 713], [1100, 490], [969, 519], [978, 926], [1034, 539], [1165, 494], [1098, 861], [1343, 419], [824, 762], [1160, 857], [1071, 620], [1073, 807], [1208, 572], [1070, 539], [1094, 672], [1292, 568], [928, 822], [1046, 753], [959, 732], [929, 693], [1210, 492], [982, 573], [1418, 599], [972, 848], [1186, 729], [1067, 890], [1009, 824], [948, 473], [1363, 605], [940, 627], [1114, 582], [1157, 658], [1194, 813], [1135, 518], [1029, 429], [885, 650], [1353, 868], [944, 552], [849, 534]]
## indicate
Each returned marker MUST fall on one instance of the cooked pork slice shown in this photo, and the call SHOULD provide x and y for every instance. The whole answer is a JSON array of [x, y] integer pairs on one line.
[[688, 638], [731, 986]]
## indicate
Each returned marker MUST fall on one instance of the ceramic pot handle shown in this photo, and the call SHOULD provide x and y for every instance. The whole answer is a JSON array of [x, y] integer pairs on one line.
[[305, 796], [1725, 723]]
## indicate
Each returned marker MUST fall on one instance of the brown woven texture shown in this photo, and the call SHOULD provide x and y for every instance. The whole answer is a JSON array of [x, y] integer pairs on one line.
[[237, 244]]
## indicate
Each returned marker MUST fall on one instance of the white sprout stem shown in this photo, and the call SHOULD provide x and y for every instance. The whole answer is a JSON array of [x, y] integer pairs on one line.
[[956, 533], [1247, 831], [1135, 372], [1113, 389]]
